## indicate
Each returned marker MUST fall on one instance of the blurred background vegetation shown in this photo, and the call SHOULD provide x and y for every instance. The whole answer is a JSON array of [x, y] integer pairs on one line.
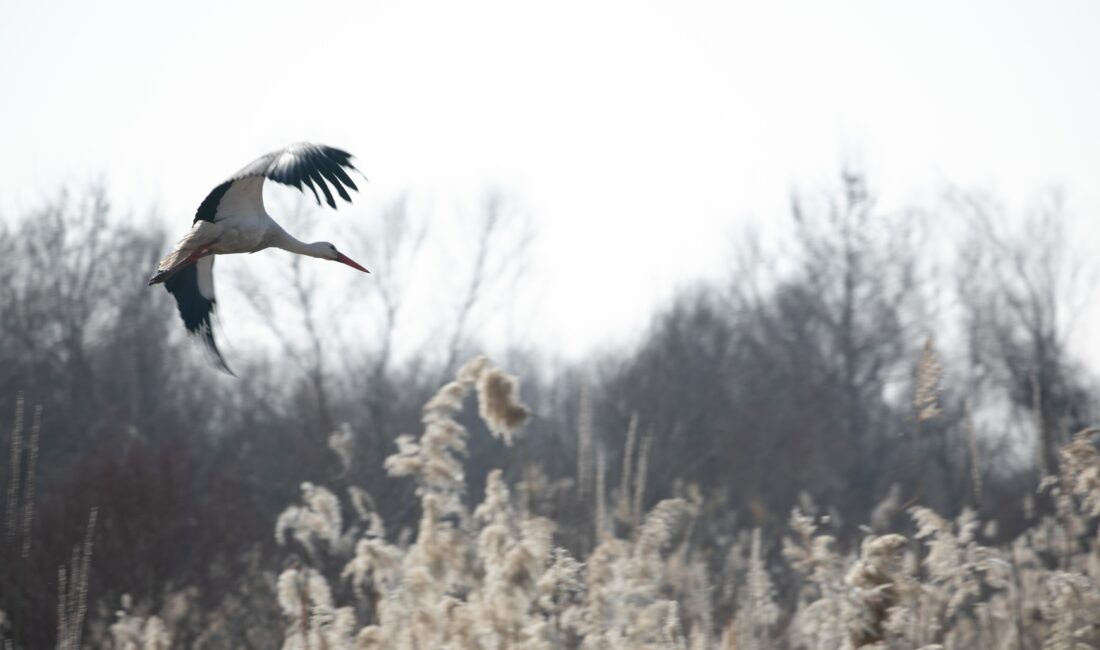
[[791, 380]]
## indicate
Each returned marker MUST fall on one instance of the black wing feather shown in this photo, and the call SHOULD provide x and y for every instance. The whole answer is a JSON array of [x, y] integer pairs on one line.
[[319, 178], [329, 169], [305, 165], [195, 309], [309, 183], [300, 166], [209, 206], [344, 178]]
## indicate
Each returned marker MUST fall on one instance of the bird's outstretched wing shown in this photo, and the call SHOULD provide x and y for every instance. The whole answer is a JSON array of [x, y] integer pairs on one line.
[[193, 289], [300, 166]]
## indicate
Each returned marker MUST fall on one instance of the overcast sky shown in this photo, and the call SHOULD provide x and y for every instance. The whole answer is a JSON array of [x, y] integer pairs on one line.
[[637, 134]]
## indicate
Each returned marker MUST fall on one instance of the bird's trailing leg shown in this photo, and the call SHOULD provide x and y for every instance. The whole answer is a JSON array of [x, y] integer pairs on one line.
[[163, 274]]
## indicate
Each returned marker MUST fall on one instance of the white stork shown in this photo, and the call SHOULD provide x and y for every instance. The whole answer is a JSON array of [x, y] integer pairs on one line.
[[232, 219]]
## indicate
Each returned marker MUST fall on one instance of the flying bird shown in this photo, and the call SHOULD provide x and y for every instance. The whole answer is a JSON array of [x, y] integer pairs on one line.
[[232, 219]]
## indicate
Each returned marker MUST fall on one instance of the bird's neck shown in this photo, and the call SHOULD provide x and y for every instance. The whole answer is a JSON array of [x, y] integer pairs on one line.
[[289, 242]]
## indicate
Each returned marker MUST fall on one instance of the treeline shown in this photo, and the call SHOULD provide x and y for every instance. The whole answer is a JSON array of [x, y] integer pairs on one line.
[[794, 380]]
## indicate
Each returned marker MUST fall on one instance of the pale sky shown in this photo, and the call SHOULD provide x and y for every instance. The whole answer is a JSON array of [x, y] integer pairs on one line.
[[639, 135]]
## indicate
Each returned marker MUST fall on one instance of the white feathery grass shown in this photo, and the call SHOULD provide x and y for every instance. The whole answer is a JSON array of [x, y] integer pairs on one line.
[[491, 575], [449, 397], [342, 443], [134, 632], [876, 583], [72, 597], [623, 501], [1081, 470], [317, 519], [758, 611], [500, 408], [819, 620], [312, 620], [376, 565], [640, 479], [601, 524], [926, 398]]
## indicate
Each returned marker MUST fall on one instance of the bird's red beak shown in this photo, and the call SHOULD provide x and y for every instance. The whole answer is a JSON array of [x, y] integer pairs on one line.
[[340, 257]]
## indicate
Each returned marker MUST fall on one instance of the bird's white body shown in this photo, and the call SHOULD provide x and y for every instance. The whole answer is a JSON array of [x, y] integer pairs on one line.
[[232, 219], [243, 234]]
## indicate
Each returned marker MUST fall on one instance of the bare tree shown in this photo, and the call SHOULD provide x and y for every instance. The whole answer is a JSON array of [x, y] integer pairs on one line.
[[502, 238], [394, 248], [297, 285], [780, 382], [1022, 284]]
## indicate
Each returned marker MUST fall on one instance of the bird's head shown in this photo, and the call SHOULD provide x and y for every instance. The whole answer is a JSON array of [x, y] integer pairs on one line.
[[328, 251]]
